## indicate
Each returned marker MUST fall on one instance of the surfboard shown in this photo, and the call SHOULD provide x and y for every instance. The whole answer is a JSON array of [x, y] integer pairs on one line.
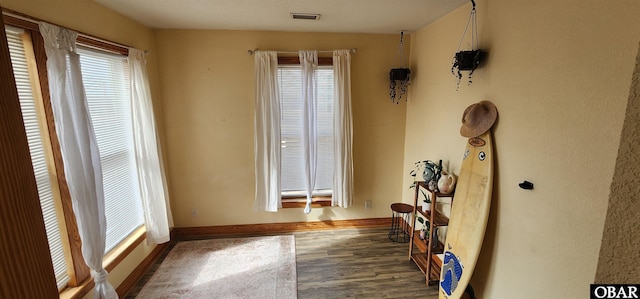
[[469, 216]]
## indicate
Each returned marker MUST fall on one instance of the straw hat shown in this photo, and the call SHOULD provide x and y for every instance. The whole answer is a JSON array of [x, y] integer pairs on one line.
[[478, 118]]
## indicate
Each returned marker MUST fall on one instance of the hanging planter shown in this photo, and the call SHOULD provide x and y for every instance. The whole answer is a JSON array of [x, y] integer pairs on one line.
[[399, 83], [399, 74], [468, 60], [399, 78]]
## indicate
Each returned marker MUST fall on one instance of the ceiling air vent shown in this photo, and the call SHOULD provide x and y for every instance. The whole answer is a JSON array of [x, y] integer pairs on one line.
[[305, 16]]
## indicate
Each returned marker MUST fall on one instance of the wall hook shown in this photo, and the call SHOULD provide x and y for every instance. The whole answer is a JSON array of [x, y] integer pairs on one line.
[[526, 185]]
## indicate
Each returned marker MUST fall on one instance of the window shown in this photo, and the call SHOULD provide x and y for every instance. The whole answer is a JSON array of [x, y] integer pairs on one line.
[[274, 81], [106, 82], [290, 83], [107, 87], [35, 129]]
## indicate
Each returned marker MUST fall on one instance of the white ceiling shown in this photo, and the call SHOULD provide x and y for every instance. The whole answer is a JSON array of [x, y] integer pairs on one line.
[[353, 16]]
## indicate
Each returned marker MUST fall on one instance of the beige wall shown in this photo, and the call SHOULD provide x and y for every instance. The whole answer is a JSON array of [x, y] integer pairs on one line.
[[207, 83], [91, 18], [559, 73]]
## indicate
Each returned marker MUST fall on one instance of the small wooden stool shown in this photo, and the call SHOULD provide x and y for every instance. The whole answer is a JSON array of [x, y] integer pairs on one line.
[[400, 217]]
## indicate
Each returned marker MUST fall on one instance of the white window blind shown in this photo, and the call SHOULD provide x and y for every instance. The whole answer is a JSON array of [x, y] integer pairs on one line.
[[106, 82], [35, 130], [292, 168]]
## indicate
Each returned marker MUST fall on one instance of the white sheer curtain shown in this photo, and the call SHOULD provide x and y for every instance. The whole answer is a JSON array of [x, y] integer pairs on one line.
[[343, 134], [79, 149], [153, 187], [267, 132], [309, 65]]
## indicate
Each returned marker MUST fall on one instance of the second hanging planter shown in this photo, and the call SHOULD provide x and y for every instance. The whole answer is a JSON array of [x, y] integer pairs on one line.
[[468, 60]]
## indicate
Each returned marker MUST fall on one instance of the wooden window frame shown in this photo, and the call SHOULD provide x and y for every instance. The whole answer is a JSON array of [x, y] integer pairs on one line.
[[79, 270], [80, 282], [295, 60]]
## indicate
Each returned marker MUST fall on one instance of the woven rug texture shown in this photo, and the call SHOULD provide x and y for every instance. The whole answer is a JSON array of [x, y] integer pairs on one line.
[[256, 267]]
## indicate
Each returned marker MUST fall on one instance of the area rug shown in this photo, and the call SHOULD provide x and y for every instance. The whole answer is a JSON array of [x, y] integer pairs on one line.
[[257, 267]]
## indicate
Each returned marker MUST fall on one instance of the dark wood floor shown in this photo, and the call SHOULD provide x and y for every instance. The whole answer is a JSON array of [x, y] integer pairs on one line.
[[350, 263]]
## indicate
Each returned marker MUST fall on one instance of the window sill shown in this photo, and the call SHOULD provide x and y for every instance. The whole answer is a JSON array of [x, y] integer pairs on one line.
[[318, 202], [110, 261]]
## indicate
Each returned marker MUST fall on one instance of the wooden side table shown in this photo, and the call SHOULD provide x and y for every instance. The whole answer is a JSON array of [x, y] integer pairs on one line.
[[400, 217]]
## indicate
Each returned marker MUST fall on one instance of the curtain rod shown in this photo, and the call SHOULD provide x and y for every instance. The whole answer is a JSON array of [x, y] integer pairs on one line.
[[19, 19], [251, 52]]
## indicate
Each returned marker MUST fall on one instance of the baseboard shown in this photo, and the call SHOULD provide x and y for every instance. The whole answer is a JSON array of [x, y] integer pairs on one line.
[[141, 269], [268, 228]]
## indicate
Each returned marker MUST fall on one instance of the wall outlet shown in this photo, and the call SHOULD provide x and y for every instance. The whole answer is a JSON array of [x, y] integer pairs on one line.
[[194, 213], [367, 204]]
